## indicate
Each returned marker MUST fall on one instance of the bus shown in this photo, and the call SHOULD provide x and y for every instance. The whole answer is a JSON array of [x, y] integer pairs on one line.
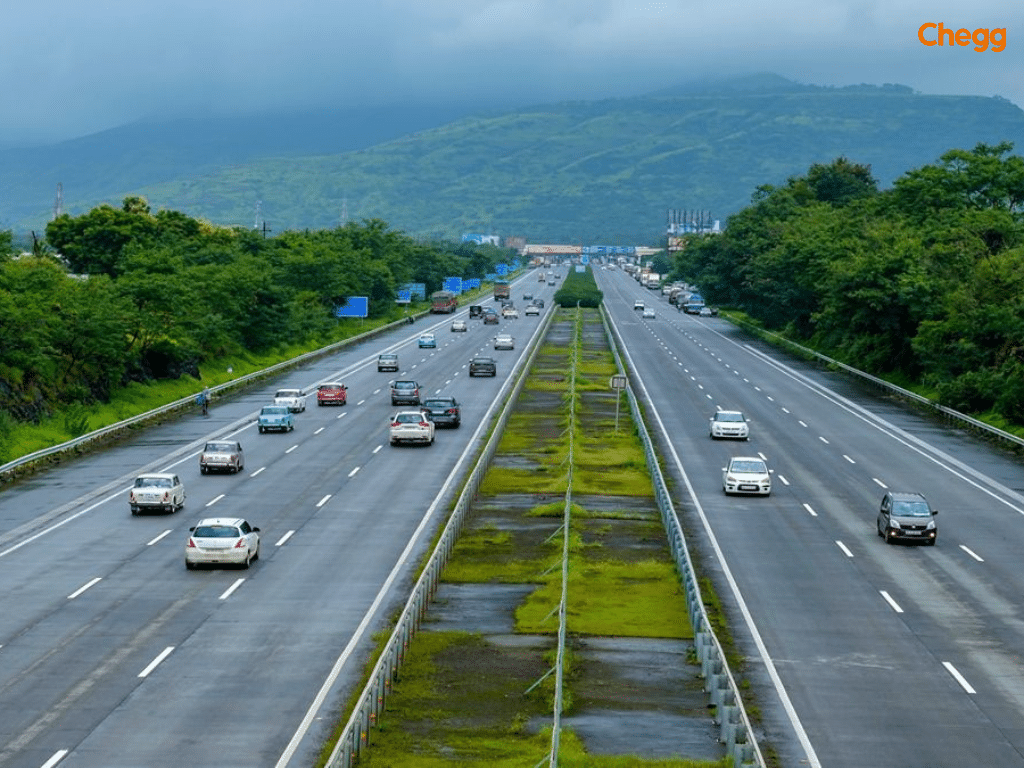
[[443, 302], [502, 290]]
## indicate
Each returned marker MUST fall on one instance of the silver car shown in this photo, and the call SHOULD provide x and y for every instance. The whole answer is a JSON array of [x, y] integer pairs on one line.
[[222, 455], [504, 341], [222, 541]]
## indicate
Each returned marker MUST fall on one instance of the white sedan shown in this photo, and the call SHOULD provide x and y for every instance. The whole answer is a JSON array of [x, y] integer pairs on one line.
[[412, 427], [729, 424], [293, 399], [158, 491], [459, 325], [504, 341], [222, 541], [648, 313], [533, 309], [747, 474]]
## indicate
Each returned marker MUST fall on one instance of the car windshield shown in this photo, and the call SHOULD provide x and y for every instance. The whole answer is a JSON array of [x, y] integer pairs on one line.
[[388, 357], [287, 393], [153, 482], [216, 532], [438, 404], [405, 385], [331, 388], [911, 509], [753, 467], [725, 416], [274, 409], [409, 418], [483, 361], [219, 447]]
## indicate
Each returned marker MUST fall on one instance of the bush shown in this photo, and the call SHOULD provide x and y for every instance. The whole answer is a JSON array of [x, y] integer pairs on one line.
[[580, 289]]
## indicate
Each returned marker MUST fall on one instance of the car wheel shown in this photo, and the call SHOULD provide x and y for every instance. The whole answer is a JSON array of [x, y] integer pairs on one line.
[[135, 511], [203, 469], [431, 440], [932, 542], [190, 565], [261, 430], [291, 427], [247, 561], [888, 536]]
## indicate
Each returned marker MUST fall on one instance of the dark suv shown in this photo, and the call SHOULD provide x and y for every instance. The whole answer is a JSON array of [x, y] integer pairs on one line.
[[444, 411], [482, 366], [906, 516], [405, 393]]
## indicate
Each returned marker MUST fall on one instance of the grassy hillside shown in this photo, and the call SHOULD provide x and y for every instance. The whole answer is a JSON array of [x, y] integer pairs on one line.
[[601, 171]]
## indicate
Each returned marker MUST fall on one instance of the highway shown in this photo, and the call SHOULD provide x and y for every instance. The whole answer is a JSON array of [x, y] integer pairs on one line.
[[861, 653], [113, 655]]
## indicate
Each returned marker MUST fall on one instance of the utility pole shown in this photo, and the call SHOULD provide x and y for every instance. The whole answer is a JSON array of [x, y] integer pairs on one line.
[[58, 203]]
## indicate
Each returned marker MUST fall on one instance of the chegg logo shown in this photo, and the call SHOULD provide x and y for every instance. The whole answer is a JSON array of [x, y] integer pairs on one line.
[[936, 34]]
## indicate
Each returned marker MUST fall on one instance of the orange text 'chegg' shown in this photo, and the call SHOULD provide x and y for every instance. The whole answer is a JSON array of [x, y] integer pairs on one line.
[[936, 34]]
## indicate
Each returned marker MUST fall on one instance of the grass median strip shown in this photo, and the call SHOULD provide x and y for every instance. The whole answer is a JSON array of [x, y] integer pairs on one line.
[[474, 685]]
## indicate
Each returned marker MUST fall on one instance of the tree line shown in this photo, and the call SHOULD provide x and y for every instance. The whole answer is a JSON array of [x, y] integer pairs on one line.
[[923, 281], [125, 294]]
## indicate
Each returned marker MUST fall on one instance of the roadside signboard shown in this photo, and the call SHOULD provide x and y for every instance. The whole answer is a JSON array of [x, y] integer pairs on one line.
[[354, 306]]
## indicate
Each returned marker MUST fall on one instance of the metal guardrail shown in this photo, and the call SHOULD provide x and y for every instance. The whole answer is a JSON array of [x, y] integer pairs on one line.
[[883, 384], [735, 730], [71, 446], [368, 708]]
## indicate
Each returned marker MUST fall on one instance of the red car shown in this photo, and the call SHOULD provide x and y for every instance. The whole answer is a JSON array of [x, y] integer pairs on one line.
[[331, 394]]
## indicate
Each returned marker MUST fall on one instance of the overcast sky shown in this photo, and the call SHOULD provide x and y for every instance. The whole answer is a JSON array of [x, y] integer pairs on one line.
[[74, 67]]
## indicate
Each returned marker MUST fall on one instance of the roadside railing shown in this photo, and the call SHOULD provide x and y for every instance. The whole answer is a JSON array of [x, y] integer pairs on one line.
[[735, 730], [12, 468], [355, 737], [949, 413]]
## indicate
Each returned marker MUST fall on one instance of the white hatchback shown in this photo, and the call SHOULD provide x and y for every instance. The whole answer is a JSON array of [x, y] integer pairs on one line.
[[729, 424], [222, 541], [747, 474]]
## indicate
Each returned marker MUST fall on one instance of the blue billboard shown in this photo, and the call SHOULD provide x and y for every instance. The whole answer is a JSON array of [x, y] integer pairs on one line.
[[470, 282], [453, 284], [354, 306], [404, 296], [416, 290], [502, 269]]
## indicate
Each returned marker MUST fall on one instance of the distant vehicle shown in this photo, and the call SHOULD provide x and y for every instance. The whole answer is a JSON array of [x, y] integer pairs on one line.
[[510, 313], [746, 474], [475, 310], [387, 362], [533, 309], [443, 410], [459, 325], [906, 516], [156, 491], [275, 418], [483, 366], [538, 303], [502, 289], [222, 541], [693, 308], [427, 341], [333, 393], [294, 399], [706, 312], [729, 424], [648, 313], [491, 318], [443, 302], [405, 392], [551, 282], [222, 455], [638, 305], [527, 297], [504, 341], [411, 427]]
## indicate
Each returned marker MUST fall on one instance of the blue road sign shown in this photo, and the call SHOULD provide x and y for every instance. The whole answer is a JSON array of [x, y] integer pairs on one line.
[[354, 306]]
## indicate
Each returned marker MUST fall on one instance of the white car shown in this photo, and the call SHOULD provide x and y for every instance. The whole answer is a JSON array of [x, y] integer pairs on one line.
[[533, 309], [412, 427], [293, 399], [158, 491], [648, 313], [729, 424], [510, 313], [222, 541], [638, 304], [504, 341], [223, 455], [459, 325], [747, 474]]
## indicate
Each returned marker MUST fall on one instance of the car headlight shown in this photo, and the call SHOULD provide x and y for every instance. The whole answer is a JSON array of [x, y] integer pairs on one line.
[[730, 479], [893, 523], [930, 526]]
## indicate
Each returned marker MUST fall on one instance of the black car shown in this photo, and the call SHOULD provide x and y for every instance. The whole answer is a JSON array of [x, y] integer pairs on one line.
[[490, 317], [475, 310], [405, 393], [527, 297], [482, 366], [906, 516], [444, 411]]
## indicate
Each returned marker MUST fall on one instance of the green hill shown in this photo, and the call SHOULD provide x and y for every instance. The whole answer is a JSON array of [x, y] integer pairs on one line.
[[592, 172]]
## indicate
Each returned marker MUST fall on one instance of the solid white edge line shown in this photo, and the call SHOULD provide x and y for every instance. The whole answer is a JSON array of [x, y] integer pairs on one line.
[[762, 649], [892, 603], [57, 756], [156, 662], [958, 677], [84, 587], [230, 590], [846, 550]]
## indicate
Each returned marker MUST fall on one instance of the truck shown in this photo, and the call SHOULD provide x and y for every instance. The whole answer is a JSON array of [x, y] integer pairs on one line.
[[502, 290], [651, 281], [443, 302]]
